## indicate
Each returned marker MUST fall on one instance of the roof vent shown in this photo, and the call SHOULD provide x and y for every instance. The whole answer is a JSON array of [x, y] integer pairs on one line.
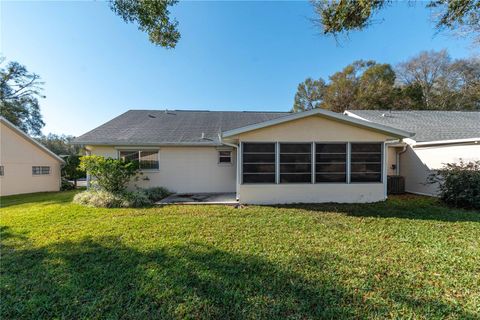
[[203, 135], [151, 116]]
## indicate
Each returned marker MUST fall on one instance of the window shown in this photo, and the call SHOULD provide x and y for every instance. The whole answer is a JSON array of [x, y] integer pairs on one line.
[[2, 172], [366, 162], [331, 162], [295, 163], [225, 157], [40, 170], [258, 162], [146, 159]]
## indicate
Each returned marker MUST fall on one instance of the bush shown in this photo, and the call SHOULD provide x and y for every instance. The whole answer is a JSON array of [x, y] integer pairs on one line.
[[106, 199], [66, 185], [156, 193], [111, 175], [459, 184], [137, 199]]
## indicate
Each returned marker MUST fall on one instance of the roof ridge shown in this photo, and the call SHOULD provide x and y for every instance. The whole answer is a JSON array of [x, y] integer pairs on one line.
[[185, 110]]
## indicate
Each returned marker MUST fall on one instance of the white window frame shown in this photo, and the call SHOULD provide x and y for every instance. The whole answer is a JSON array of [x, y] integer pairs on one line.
[[41, 171], [140, 150], [220, 163]]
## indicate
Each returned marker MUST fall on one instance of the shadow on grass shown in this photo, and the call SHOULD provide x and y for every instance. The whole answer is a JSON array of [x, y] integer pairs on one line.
[[404, 206], [45, 198], [105, 279]]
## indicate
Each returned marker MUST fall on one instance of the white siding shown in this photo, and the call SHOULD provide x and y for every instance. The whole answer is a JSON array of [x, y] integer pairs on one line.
[[183, 169], [417, 163], [17, 156]]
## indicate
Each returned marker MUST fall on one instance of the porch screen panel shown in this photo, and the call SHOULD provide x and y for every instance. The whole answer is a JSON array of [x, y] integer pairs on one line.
[[258, 162], [331, 162], [366, 162], [295, 163]]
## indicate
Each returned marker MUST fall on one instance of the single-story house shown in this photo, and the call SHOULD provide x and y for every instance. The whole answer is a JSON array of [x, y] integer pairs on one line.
[[440, 137], [264, 157], [26, 166]]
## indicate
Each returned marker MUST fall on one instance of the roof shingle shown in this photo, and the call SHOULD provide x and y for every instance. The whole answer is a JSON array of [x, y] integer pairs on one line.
[[157, 127], [428, 125]]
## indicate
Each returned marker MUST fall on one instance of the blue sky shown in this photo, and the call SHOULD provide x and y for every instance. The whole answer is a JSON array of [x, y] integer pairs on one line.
[[232, 56]]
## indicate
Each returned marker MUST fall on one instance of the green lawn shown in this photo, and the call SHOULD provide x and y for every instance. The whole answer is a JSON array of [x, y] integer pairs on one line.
[[409, 257]]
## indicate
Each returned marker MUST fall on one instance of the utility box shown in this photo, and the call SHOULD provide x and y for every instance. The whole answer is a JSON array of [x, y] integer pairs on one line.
[[395, 184]]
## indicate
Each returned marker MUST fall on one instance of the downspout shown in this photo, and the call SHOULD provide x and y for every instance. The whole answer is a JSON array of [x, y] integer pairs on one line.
[[237, 169], [397, 160]]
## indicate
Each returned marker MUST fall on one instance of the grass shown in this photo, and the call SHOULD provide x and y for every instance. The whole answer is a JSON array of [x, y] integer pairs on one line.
[[409, 257]]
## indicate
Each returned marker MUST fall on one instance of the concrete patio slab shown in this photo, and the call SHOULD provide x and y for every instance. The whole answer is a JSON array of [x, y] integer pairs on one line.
[[228, 199]]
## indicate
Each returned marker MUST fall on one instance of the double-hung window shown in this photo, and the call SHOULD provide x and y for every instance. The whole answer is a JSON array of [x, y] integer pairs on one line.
[[366, 162], [330, 162], [146, 159], [295, 163], [258, 162]]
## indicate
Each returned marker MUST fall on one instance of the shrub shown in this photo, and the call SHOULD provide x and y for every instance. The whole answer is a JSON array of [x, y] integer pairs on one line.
[[459, 184], [156, 193], [66, 185], [136, 199], [106, 199], [110, 174]]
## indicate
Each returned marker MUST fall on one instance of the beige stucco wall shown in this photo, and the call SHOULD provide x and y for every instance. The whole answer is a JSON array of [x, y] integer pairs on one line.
[[17, 156], [312, 129], [183, 169], [418, 162], [391, 160]]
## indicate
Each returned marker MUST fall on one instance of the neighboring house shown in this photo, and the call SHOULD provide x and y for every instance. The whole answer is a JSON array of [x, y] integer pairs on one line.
[[264, 157], [440, 137], [26, 166]]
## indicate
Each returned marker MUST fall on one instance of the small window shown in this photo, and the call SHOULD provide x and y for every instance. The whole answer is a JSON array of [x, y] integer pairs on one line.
[[146, 159], [2, 172], [366, 162], [40, 170], [331, 162], [295, 163], [258, 162], [225, 157]]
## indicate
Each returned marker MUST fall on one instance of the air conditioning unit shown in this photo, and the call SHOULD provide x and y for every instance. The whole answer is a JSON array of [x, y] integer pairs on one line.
[[395, 184]]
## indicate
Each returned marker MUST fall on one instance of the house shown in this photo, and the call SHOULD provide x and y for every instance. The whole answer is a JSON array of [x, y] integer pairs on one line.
[[264, 157], [440, 137], [26, 166]]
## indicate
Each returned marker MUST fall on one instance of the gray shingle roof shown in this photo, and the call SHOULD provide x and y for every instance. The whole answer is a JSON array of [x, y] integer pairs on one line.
[[157, 127], [428, 125]]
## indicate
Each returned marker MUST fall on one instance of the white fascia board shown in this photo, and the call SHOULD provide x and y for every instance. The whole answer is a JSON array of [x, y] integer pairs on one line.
[[326, 114], [443, 142], [30, 139]]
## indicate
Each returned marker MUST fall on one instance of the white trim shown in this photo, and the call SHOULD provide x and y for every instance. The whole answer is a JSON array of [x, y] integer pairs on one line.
[[30, 139], [442, 142], [326, 114]]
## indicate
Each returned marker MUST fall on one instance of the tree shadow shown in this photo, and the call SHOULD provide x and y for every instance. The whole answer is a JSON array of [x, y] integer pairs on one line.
[[41, 198], [103, 278], [400, 206]]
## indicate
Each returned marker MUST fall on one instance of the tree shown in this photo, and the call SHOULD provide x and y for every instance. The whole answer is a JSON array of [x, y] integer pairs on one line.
[[445, 84], [309, 95], [152, 17], [71, 170], [427, 70], [341, 16], [376, 88], [342, 91], [60, 144], [19, 94]]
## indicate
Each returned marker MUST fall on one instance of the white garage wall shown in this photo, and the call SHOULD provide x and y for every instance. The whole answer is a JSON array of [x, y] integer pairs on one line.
[[418, 162], [17, 156]]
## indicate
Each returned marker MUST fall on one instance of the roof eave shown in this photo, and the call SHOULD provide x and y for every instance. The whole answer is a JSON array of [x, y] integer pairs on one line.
[[327, 114]]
